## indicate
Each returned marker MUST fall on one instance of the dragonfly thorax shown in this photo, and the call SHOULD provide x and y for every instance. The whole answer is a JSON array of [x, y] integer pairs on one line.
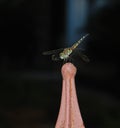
[[65, 54]]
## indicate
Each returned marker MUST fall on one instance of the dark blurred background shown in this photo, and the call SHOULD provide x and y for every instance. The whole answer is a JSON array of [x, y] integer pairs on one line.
[[30, 83]]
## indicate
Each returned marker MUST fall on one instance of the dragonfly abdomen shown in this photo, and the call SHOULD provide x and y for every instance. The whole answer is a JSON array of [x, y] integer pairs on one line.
[[78, 42]]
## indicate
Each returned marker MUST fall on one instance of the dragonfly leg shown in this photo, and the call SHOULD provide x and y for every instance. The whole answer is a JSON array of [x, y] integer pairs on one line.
[[70, 59], [65, 60]]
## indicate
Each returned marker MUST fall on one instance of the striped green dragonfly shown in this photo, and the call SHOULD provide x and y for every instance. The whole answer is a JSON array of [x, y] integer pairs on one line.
[[66, 54]]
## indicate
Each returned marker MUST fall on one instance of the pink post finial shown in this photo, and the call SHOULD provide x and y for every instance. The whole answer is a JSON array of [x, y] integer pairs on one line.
[[69, 114]]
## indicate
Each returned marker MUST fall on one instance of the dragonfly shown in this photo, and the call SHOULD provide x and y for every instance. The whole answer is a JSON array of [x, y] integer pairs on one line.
[[65, 54]]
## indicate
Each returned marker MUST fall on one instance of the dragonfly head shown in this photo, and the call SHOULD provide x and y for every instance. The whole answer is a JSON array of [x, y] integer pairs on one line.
[[62, 55]]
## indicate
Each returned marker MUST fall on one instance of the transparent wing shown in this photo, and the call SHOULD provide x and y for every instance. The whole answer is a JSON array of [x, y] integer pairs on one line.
[[56, 57], [84, 57], [79, 49], [53, 51], [80, 52]]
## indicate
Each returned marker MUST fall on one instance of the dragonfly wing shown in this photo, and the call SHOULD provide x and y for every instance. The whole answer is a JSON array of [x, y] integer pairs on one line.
[[84, 57], [79, 52], [56, 57], [79, 49], [52, 51]]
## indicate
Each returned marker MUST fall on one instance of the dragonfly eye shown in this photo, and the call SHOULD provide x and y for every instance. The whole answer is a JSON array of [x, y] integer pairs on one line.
[[61, 55]]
